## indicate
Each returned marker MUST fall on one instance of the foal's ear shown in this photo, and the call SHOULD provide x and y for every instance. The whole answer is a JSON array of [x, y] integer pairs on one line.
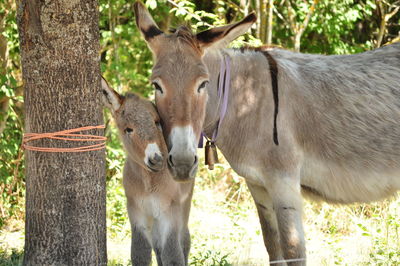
[[146, 24], [220, 37], [111, 98]]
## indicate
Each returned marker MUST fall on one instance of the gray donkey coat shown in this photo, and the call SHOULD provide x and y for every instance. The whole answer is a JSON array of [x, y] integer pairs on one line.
[[338, 128], [338, 121]]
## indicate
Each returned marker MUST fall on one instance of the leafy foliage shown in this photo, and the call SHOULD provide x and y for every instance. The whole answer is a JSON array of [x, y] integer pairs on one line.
[[12, 185], [211, 258]]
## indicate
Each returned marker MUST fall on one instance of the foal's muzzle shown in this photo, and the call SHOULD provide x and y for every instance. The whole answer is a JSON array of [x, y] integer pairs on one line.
[[155, 163]]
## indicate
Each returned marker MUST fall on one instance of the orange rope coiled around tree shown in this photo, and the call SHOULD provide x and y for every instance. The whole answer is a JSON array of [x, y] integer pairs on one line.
[[69, 136]]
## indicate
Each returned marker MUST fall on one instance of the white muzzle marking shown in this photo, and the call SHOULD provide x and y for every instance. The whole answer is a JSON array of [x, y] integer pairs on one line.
[[151, 150], [184, 139]]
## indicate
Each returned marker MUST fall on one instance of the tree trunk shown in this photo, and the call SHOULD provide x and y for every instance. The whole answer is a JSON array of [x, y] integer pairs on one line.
[[256, 8], [65, 192], [4, 101], [270, 9], [263, 20]]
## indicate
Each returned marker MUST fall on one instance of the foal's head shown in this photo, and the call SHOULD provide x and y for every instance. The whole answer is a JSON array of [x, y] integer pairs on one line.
[[139, 126], [180, 78]]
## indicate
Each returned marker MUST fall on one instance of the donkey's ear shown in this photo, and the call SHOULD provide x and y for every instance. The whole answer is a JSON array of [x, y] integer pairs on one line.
[[111, 98], [220, 37], [146, 24]]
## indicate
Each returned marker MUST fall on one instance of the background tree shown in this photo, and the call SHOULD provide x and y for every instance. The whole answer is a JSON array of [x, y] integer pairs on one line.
[[65, 192]]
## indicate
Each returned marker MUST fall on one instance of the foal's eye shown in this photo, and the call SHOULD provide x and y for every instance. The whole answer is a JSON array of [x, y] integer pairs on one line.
[[157, 87], [202, 85], [128, 130]]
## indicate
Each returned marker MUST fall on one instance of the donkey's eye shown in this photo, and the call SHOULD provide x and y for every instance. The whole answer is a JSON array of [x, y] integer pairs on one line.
[[202, 85], [128, 130], [157, 87], [158, 124]]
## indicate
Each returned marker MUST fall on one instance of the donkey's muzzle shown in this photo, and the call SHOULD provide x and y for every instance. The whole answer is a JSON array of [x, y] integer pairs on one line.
[[155, 163], [183, 170]]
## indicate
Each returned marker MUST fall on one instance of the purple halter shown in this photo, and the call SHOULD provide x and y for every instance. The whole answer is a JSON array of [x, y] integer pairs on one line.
[[223, 92]]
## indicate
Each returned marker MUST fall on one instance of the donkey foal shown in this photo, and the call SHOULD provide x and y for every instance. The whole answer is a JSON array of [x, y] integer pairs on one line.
[[158, 206]]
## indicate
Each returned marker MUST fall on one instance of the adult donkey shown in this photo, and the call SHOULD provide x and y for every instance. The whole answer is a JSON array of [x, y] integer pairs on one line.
[[336, 135]]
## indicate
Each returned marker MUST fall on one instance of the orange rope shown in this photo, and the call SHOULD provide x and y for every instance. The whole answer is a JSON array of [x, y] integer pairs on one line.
[[66, 135]]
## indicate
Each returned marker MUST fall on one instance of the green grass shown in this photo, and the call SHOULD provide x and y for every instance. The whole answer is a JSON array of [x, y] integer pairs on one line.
[[11, 257], [225, 228]]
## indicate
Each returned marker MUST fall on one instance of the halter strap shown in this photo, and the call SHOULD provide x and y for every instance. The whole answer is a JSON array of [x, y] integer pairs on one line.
[[223, 92]]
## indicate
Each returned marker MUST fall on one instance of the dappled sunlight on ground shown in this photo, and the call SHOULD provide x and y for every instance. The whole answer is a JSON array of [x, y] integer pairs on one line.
[[225, 229], [234, 232]]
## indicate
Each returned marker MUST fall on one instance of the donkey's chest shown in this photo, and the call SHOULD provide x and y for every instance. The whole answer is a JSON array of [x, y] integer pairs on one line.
[[158, 203]]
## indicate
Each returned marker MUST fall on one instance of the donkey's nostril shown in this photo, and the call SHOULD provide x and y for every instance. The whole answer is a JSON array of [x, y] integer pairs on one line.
[[195, 160], [156, 159], [170, 160]]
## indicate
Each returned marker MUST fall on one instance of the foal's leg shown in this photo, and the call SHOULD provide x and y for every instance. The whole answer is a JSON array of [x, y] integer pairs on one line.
[[287, 203], [168, 248], [186, 243], [141, 248], [172, 253], [269, 225], [185, 234]]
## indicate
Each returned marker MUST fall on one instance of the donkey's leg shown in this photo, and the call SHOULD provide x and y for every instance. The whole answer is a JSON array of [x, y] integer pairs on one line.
[[172, 253], [140, 226], [185, 243], [168, 242], [287, 203], [185, 211], [157, 250], [269, 225], [141, 248]]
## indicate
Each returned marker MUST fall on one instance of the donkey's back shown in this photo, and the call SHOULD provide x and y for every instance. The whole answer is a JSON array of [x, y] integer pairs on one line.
[[346, 112]]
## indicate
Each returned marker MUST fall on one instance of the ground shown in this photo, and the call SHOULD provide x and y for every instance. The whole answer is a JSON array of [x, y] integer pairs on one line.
[[225, 229]]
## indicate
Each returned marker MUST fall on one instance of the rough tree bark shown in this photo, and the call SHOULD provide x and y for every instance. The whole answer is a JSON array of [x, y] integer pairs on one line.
[[65, 192]]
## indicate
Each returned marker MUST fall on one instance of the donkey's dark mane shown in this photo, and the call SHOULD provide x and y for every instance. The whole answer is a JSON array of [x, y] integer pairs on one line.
[[273, 68], [185, 34], [262, 48]]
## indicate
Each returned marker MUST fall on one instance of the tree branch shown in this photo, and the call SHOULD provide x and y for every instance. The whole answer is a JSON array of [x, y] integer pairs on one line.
[[291, 15], [384, 17], [303, 26]]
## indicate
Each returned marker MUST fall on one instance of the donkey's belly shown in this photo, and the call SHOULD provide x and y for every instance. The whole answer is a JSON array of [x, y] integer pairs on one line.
[[345, 185]]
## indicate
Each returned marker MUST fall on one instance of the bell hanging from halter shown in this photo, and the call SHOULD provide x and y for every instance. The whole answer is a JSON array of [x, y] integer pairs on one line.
[[211, 155]]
